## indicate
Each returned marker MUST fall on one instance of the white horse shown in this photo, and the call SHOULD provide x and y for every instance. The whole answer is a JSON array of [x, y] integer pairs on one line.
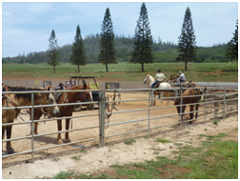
[[164, 85]]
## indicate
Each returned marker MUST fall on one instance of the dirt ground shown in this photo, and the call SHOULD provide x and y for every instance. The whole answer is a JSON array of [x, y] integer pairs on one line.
[[96, 160]]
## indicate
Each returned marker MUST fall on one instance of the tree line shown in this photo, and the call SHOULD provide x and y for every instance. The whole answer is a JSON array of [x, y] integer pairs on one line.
[[108, 48]]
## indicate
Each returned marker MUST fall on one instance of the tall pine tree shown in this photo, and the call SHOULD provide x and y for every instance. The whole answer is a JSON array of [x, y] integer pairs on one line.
[[78, 55], [142, 47], [232, 46], [53, 51], [186, 41], [107, 46]]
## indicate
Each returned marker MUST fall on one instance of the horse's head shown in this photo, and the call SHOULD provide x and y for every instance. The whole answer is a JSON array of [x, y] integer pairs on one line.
[[172, 79], [85, 96], [146, 79], [81, 96], [49, 99]]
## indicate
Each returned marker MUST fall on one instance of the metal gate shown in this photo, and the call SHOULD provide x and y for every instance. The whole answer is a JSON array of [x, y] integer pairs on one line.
[[226, 98]]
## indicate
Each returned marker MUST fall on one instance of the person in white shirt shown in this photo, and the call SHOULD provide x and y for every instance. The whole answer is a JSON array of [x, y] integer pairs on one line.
[[160, 77], [181, 77]]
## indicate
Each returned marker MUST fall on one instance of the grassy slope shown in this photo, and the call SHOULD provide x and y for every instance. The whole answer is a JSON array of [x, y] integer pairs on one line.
[[212, 72], [215, 159]]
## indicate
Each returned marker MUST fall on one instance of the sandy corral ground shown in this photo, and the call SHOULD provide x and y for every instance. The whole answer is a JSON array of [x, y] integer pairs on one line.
[[96, 160]]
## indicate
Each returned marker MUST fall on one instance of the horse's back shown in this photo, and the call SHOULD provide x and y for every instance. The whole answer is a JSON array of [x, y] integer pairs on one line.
[[164, 85]]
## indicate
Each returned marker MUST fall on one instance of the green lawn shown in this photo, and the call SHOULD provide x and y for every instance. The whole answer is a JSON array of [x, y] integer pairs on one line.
[[213, 72]]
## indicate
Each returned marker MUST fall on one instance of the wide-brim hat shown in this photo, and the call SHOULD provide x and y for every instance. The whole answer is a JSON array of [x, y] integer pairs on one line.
[[180, 72]]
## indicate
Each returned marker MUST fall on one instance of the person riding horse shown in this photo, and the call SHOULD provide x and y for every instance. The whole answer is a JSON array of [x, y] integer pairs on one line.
[[159, 78], [181, 78]]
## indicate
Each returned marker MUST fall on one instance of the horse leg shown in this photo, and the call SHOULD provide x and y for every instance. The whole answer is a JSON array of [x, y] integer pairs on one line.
[[162, 95], [67, 133], [181, 115], [59, 124], [191, 114], [37, 113], [3, 133], [154, 101], [9, 134], [196, 115]]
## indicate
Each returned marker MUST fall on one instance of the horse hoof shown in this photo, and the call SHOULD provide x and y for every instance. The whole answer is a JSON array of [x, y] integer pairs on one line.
[[60, 142], [68, 141], [10, 151]]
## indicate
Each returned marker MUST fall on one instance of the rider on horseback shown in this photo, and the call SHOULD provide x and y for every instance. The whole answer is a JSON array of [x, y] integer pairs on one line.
[[159, 78], [181, 77]]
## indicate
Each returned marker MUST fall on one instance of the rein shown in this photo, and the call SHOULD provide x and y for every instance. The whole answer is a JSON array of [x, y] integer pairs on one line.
[[84, 97]]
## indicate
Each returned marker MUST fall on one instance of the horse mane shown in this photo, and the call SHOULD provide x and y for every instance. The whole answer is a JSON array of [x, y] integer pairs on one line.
[[19, 88], [23, 96], [77, 87]]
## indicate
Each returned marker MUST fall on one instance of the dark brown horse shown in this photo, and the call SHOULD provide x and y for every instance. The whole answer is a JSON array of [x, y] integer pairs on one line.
[[193, 89], [22, 99], [67, 97]]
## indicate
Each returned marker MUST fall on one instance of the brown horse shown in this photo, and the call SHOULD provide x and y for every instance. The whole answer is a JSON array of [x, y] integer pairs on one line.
[[67, 97], [172, 79], [15, 100], [8, 116], [189, 100]]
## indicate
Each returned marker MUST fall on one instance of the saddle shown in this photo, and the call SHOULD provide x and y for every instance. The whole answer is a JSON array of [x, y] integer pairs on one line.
[[157, 84]]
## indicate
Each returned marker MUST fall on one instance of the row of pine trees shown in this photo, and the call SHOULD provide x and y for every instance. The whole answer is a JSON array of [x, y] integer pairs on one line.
[[142, 52]]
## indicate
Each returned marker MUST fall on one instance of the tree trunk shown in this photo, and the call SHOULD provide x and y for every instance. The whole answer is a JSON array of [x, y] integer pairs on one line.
[[54, 69], [106, 67], [185, 65], [78, 69], [142, 67]]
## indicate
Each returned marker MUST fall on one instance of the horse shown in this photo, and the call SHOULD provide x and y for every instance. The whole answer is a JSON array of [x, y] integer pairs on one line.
[[15, 100], [66, 97], [189, 100], [172, 79], [8, 116], [164, 85]]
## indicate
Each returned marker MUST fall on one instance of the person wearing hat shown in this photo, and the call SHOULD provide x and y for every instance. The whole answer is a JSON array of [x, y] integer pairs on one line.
[[160, 77], [181, 77]]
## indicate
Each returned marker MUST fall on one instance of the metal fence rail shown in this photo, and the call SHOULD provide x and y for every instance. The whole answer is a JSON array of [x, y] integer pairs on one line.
[[222, 99]]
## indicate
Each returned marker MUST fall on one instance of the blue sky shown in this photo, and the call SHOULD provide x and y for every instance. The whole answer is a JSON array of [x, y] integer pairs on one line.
[[26, 26]]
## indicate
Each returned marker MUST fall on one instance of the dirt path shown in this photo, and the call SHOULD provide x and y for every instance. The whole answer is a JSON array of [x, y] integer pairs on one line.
[[95, 160]]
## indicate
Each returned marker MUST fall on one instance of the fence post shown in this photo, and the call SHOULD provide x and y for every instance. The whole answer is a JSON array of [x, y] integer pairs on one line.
[[205, 105], [149, 116], [102, 107], [152, 101], [181, 113], [224, 102], [32, 125]]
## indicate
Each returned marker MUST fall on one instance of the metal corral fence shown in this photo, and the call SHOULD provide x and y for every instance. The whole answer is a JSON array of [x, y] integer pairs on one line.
[[213, 99]]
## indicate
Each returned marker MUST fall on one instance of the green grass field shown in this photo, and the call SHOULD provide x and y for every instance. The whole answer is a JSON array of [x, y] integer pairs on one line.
[[212, 72]]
